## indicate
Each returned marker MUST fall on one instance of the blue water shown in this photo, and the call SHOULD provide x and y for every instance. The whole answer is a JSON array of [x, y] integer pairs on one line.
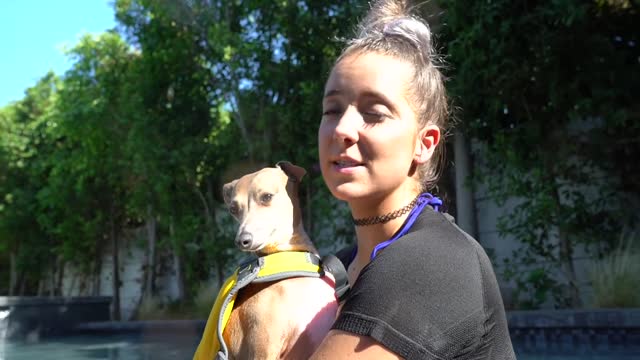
[[112, 347], [576, 357], [611, 356], [140, 347]]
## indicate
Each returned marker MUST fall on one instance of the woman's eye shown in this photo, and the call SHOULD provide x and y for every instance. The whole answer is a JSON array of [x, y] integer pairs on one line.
[[373, 116], [331, 112], [265, 198]]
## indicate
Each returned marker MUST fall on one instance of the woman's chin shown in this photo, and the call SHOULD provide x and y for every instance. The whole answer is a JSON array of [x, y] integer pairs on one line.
[[347, 192]]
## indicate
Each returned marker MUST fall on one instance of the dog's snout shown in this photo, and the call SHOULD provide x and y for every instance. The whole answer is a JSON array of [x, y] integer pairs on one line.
[[244, 240]]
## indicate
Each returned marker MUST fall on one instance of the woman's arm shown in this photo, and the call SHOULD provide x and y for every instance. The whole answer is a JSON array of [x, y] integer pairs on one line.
[[344, 345]]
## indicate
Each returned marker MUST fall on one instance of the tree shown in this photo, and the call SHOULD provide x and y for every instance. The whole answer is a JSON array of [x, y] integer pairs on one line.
[[84, 202], [24, 145], [545, 89], [250, 64], [145, 128]]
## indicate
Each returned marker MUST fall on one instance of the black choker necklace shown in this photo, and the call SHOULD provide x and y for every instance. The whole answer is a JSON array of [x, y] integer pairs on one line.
[[381, 219]]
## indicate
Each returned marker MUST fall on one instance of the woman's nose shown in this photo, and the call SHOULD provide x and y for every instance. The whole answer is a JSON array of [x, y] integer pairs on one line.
[[346, 130]]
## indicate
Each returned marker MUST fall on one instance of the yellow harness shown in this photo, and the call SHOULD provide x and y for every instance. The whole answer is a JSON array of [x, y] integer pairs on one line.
[[267, 268]]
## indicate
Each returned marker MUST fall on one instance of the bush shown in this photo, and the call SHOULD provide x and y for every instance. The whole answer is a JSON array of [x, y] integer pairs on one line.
[[151, 308], [204, 299], [155, 309], [616, 278]]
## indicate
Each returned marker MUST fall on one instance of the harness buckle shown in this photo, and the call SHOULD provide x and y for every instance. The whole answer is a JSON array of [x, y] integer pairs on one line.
[[248, 269]]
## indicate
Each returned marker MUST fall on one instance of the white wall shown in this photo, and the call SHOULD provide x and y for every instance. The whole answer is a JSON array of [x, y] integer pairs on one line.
[[131, 257]]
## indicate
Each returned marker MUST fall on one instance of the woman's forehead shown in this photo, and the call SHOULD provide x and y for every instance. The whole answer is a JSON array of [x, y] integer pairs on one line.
[[369, 72]]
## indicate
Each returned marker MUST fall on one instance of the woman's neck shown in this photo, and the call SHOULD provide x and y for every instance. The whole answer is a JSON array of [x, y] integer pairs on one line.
[[369, 236]]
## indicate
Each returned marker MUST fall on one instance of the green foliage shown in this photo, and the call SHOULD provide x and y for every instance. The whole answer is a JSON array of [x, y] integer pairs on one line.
[[24, 146], [156, 309], [204, 299], [534, 286], [145, 126], [545, 90], [616, 277], [83, 197]]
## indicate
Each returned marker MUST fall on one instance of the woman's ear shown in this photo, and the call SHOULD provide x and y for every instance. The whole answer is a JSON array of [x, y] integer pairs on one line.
[[428, 139]]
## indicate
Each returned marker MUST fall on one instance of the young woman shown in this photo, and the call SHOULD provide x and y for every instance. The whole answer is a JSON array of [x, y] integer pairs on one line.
[[420, 287]]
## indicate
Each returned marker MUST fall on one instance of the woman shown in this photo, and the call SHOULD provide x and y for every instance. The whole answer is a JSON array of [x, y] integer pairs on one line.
[[420, 287]]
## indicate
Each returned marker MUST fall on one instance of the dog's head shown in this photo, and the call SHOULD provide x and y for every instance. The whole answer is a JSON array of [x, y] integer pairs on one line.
[[266, 205]]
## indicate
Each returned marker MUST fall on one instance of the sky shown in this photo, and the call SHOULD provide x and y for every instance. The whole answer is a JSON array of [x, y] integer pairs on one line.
[[34, 32]]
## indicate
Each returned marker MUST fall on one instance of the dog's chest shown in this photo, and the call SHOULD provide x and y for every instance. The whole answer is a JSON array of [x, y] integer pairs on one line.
[[310, 306]]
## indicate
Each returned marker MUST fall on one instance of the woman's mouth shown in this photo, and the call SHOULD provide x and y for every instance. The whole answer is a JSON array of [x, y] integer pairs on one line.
[[346, 165]]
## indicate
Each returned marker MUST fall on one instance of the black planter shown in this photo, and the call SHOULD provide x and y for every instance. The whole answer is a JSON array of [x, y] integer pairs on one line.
[[31, 318]]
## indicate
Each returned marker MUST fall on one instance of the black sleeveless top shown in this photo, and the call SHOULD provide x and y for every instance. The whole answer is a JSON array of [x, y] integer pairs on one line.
[[432, 294]]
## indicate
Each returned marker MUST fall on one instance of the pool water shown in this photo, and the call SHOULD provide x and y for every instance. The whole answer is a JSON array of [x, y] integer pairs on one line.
[[112, 347], [580, 356], [141, 347]]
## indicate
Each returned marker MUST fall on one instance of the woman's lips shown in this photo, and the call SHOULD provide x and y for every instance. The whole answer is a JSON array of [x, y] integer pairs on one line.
[[346, 166]]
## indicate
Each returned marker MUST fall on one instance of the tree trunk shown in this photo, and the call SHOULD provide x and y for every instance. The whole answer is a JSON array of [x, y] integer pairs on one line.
[[151, 226], [566, 257], [22, 280], [115, 263], [72, 285], [465, 201], [59, 280], [177, 259], [13, 273], [40, 287], [51, 279], [242, 125], [97, 274]]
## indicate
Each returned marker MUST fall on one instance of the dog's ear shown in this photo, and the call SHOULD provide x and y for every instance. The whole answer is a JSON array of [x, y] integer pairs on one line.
[[291, 170], [227, 191]]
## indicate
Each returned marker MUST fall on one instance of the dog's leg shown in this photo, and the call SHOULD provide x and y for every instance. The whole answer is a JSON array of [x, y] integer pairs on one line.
[[255, 331], [265, 339]]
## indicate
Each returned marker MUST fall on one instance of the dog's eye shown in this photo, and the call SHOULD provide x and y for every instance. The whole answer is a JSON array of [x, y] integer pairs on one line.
[[265, 198], [233, 209]]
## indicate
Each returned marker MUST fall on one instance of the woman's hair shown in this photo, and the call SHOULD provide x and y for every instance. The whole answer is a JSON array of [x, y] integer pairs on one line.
[[389, 28]]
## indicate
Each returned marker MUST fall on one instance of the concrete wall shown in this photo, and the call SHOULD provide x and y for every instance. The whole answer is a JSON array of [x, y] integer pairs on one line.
[[483, 225], [131, 258]]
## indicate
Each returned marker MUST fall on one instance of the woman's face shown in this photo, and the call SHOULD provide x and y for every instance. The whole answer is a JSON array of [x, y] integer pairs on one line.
[[368, 137]]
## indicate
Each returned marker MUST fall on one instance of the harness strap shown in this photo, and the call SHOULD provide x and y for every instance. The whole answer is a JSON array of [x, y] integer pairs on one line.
[[267, 268], [273, 267], [333, 265], [288, 264]]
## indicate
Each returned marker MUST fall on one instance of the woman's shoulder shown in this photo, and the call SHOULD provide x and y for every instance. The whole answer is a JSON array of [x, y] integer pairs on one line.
[[434, 237], [433, 282]]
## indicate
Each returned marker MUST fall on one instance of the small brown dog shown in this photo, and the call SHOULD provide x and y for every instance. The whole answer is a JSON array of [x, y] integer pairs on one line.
[[283, 319]]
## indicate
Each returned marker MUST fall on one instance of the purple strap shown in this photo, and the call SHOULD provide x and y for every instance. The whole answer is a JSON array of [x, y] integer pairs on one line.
[[424, 200]]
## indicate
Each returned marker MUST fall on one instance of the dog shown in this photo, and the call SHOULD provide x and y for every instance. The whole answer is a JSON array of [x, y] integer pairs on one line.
[[282, 319]]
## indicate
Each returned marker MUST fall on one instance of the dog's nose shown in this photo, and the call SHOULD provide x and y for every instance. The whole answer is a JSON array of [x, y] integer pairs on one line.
[[244, 240]]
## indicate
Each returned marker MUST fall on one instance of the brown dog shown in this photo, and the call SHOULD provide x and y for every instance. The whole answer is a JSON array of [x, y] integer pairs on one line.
[[285, 319]]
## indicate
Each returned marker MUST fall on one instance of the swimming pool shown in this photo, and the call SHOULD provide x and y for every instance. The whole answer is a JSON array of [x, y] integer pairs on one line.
[[142, 347], [112, 347]]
